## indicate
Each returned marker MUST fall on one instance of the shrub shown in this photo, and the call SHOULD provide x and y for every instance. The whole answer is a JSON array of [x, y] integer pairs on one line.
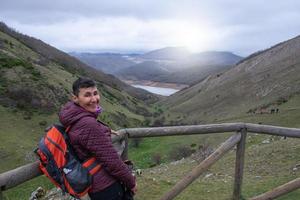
[[43, 123], [203, 152], [281, 100], [136, 142], [156, 158], [180, 152], [8, 62]]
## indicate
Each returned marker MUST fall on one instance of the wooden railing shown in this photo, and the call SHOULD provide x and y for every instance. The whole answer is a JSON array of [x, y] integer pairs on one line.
[[22, 174]]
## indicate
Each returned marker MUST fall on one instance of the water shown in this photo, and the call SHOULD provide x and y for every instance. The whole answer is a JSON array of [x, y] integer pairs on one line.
[[157, 90]]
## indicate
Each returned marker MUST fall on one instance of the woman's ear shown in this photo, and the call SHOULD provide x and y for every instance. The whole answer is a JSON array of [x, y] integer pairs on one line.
[[74, 98]]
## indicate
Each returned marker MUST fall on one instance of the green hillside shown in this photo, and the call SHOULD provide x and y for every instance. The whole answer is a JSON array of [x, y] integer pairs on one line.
[[257, 84]]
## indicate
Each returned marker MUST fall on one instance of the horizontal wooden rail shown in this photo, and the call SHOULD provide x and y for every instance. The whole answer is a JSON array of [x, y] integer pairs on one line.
[[273, 130], [19, 175], [184, 130]]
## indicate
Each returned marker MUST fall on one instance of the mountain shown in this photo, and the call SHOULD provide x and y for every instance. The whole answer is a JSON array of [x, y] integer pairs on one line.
[[167, 53], [198, 66], [170, 64], [261, 81], [191, 75], [107, 62], [147, 70], [163, 66]]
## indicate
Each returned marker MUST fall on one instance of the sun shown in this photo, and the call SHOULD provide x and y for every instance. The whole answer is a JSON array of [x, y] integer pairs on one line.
[[194, 37]]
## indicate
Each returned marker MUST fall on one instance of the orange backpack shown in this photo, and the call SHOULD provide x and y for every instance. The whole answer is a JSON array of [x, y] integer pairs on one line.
[[61, 165]]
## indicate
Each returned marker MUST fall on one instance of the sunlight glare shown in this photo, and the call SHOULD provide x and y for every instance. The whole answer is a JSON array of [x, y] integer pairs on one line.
[[194, 37]]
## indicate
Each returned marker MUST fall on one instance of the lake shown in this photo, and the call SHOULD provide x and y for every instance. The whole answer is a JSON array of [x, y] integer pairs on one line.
[[157, 90]]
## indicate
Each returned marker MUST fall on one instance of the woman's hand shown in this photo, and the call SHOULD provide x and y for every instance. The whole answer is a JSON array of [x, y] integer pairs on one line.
[[134, 189], [114, 132]]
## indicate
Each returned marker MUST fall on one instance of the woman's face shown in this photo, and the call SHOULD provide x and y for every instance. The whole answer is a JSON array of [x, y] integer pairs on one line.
[[88, 98]]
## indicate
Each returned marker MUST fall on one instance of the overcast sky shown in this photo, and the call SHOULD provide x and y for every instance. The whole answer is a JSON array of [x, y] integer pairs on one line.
[[242, 27]]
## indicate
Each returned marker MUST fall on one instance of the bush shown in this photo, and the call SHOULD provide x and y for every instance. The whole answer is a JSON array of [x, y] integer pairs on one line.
[[156, 158], [281, 100], [203, 152], [43, 123], [180, 152], [8, 62], [136, 142]]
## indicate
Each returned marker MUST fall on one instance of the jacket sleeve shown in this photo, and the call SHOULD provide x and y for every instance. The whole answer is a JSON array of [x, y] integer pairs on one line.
[[99, 144]]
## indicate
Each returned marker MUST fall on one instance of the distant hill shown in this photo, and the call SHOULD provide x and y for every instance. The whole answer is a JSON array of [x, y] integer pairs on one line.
[[198, 66], [106, 62], [167, 53], [191, 75], [147, 70], [164, 66], [214, 58], [261, 81]]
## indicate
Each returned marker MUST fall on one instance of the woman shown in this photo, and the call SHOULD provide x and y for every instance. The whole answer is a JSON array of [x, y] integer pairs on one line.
[[90, 137]]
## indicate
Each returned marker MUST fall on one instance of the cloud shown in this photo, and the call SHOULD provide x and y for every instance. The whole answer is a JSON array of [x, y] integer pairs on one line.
[[136, 25]]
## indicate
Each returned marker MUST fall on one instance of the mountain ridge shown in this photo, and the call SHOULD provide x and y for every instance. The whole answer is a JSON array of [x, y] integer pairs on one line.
[[259, 81], [170, 64]]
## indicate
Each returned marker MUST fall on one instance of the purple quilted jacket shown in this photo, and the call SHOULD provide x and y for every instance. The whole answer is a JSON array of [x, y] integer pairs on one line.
[[92, 138]]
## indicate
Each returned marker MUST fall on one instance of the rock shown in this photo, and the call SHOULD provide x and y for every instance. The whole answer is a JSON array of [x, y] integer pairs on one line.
[[208, 175], [57, 194], [295, 169], [267, 141], [37, 194]]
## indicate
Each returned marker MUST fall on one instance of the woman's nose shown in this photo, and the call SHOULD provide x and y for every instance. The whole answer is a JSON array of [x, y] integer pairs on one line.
[[94, 98]]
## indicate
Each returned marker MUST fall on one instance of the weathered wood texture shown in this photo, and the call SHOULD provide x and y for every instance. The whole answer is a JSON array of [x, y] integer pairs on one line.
[[273, 130], [202, 167], [19, 175], [279, 191], [125, 151], [211, 128], [239, 166], [184, 130]]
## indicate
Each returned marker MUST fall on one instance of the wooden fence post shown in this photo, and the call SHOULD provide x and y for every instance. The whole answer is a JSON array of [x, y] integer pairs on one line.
[[202, 167], [239, 166], [125, 152], [1, 195]]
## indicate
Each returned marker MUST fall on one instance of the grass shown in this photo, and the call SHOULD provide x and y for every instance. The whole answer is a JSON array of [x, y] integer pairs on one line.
[[266, 167], [16, 151]]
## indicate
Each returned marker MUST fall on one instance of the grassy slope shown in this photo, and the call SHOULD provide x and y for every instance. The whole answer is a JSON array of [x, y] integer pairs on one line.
[[254, 83]]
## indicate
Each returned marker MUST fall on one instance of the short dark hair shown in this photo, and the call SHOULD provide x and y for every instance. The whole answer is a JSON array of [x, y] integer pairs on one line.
[[82, 83]]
